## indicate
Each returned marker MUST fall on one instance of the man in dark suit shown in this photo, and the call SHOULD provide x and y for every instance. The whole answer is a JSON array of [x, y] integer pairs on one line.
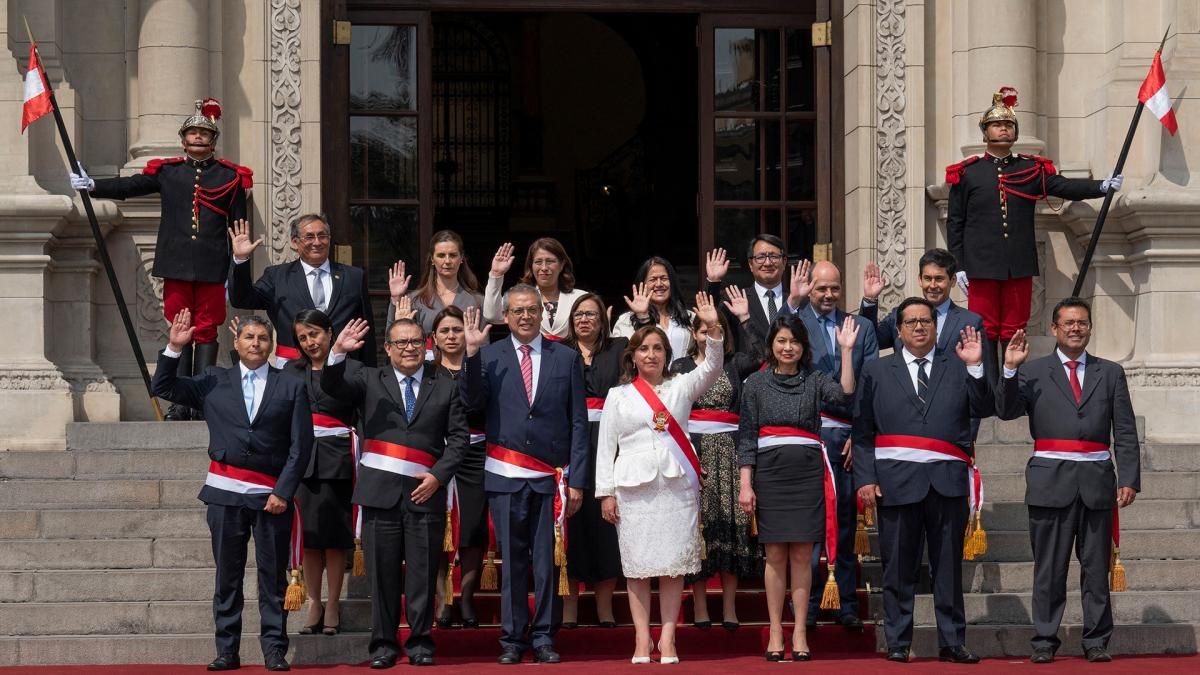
[[821, 316], [913, 458], [312, 281], [415, 431], [1076, 402], [531, 391], [260, 436]]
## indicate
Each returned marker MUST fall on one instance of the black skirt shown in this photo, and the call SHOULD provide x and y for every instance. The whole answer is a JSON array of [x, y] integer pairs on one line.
[[325, 513], [789, 487], [593, 553], [472, 515]]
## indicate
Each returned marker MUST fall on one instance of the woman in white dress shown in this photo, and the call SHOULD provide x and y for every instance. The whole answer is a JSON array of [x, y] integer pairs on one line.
[[658, 301], [549, 269], [648, 476]]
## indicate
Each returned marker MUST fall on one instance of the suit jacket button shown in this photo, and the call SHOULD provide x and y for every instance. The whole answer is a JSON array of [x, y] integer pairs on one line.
[[193, 236], [1080, 414], [530, 416]]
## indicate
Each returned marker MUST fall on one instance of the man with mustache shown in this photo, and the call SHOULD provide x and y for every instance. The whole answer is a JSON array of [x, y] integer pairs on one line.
[[201, 196]]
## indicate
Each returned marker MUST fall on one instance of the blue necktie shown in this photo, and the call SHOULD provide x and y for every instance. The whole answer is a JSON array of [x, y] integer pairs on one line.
[[410, 398], [248, 392], [830, 329]]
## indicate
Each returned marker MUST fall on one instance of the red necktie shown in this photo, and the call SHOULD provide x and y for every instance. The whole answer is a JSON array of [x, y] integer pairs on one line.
[[527, 372], [1075, 388]]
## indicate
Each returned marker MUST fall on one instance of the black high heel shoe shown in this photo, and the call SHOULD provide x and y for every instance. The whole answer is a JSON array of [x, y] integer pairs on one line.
[[316, 627], [774, 657], [446, 620]]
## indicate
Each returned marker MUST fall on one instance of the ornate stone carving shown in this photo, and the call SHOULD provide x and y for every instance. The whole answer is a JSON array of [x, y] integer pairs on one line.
[[1037, 322], [891, 240], [32, 380], [285, 124], [152, 329], [1163, 376]]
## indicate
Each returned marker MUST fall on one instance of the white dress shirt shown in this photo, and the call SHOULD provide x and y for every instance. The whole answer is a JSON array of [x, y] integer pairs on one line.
[[780, 299], [942, 311], [260, 384], [535, 356], [326, 281], [910, 360]]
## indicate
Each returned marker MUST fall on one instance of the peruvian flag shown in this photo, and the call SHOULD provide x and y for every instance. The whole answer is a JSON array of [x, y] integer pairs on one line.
[[37, 93], [1153, 94]]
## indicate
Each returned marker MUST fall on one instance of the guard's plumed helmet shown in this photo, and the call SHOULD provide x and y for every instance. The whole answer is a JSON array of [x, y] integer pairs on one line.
[[1003, 103], [207, 113]]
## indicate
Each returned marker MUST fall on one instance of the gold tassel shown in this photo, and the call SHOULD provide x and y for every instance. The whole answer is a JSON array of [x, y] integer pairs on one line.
[[869, 516], [360, 560], [968, 552], [862, 544], [1117, 581], [703, 544], [448, 591], [564, 585], [560, 549], [830, 599], [448, 538], [489, 579], [294, 598], [753, 525], [979, 541]]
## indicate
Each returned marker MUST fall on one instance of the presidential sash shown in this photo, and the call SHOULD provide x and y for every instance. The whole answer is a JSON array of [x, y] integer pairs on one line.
[[670, 433]]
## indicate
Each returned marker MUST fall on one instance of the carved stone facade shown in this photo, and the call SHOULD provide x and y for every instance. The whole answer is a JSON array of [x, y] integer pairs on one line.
[[285, 123], [891, 230]]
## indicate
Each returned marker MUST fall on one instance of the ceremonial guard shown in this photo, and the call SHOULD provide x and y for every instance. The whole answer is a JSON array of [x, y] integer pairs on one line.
[[990, 225], [202, 195], [1081, 420]]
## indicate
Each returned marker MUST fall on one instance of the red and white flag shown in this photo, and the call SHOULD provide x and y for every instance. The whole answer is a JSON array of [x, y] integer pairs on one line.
[[37, 93], [1153, 94]]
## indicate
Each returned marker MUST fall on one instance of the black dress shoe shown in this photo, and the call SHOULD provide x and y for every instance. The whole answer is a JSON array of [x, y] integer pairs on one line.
[[509, 657], [958, 654], [275, 662], [608, 624], [546, 655], [702, 625], [570, 625], [421, 660], [382, 662], [470, 623], [225, 662], [1097, 655], [898, 654], [730, 625], [1042, 656], [774, 657], [801, 656], [851, 622]]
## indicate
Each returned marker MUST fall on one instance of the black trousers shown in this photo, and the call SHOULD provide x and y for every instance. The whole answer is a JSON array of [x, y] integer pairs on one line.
[[845, 571], [391, 537], [1053, 532], [524, 522], [231, 528], [941, 522]]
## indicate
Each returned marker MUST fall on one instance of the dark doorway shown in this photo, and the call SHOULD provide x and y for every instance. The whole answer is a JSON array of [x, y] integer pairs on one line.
[[577, 126]]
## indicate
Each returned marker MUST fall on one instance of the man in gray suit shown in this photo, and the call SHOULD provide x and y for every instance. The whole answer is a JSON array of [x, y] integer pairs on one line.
[[1076, 403], [913, 456]]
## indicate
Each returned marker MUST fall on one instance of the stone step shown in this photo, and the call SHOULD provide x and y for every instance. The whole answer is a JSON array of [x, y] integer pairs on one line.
[[103, 464], [1013, 641], [191, 648], [1156, 485], [1013, 545], [1141, 607], [107, 554], [136, 435], [1143, 514], [1017, 577], [99, 494], [103, 523]]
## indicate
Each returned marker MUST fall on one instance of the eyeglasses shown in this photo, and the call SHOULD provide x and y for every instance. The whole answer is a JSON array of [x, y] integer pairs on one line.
[[913, 323], [766, 257], [1072, 323], [525, 311], [407, 344], [586, 315], [310, 238]]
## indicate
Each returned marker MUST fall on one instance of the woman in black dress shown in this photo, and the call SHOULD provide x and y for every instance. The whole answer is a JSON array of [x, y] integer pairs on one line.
[[450, 352], [783, 466], [731, 551], [593, 554], [324, 494]]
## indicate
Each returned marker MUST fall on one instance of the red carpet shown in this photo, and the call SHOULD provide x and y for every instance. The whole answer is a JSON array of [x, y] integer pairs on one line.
[[741, 664]]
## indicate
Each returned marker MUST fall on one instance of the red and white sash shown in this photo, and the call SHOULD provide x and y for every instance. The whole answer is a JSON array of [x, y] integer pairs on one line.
[[595, 406], [512, 464], [712, 422], [286, 353], [832, 422], [670, 433], [235, 479], [773, 437], [1072, 451], [396, 458], [477, 437], [325, 426], [925, 450]]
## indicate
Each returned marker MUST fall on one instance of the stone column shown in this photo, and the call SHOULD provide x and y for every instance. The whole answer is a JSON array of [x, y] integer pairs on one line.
[[173, 71]]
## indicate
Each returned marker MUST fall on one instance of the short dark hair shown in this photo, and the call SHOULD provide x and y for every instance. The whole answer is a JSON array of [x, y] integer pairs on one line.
[[767, 238], [402, 322], [522, 289], [255, 320], [306, 219], [940, 257], [1070, 302], [795, 324], [909, 302]]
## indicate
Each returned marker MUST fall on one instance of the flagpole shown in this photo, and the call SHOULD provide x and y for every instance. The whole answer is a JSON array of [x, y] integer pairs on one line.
[[100, 246], [1108, 196]]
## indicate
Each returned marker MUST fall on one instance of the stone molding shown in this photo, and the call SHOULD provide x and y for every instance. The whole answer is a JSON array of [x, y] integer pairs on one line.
[[1171, 377], [285, 124], [32, 380], [891, 237], [149, 299]]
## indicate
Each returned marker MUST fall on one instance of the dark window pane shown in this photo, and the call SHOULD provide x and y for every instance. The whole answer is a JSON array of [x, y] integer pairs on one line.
[[383, 158], [771, 218], [735, 57], [735, 229], [801, 232], [802, 160], [800, 70], [774, 168], [735, 159], [390, 234], [383, 68], [769, 55]]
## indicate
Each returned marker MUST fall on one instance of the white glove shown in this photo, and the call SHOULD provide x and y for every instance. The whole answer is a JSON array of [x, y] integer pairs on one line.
[[80, 181], [961, 278], [1113, 183]]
